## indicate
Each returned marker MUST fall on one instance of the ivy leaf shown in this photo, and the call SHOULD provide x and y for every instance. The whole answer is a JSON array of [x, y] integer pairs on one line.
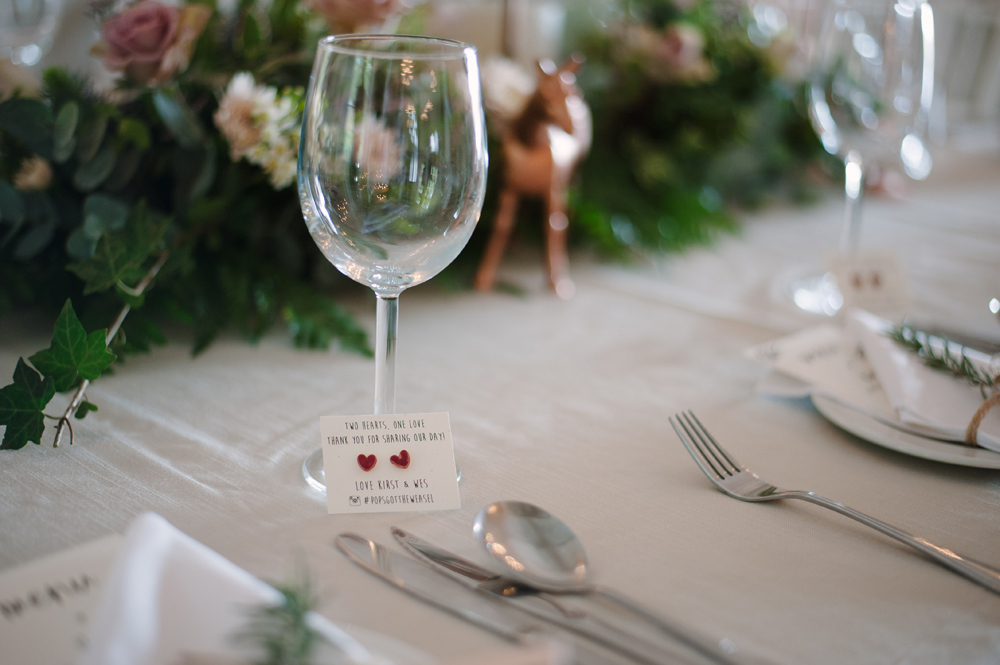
[[84, 408], [120, 255], [21, 405], [73, 353]]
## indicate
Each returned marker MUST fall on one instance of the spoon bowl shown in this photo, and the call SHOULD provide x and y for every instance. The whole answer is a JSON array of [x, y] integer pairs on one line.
[[534, 546]]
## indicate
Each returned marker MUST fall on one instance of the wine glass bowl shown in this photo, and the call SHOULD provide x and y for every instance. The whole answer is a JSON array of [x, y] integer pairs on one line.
[[866, 94], [392, 165], [392, 171]]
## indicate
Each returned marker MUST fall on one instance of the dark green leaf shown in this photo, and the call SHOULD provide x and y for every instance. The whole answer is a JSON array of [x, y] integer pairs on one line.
[[21, 405], [34, 241], [251, 34], [125, 167], [91, 137], [84, 408], [11, 204], [121, 254], [112, 212], [63, 138], [134, 131], [30, 122], [73, 353], [91, 174], [178, 118], [79, 245]]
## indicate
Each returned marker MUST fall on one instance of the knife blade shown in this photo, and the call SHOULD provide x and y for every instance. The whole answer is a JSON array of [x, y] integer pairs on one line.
[[539, 605], [417, 580]]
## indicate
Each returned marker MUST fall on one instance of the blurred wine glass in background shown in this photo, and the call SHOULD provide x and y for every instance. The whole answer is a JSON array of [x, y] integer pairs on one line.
[[869, 100], [27, 28]]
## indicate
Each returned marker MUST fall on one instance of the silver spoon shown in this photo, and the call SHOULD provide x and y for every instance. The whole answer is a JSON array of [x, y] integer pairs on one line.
[[537, 549]]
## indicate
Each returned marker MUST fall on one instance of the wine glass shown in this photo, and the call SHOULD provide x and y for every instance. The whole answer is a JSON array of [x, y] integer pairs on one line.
[[392, 172], [869, 101], [27, 28]]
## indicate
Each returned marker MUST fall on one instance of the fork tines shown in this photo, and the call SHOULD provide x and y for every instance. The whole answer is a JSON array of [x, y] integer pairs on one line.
[[720, 464]]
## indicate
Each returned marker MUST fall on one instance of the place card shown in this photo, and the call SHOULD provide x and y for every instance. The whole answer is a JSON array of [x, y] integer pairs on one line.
[[46, 606], [871, 280], [400, 462]]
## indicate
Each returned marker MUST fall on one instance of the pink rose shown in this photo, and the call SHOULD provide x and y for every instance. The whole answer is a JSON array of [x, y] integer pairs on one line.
[[350, 15], [140, 34], [150, 42]]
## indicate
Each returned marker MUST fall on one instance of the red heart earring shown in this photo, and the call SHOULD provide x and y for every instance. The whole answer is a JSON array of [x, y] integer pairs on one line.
[[367, 462], [402, 460]]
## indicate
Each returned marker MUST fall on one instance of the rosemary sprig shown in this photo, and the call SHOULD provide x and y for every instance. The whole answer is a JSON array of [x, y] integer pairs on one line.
[[281, 632], [920, 343]]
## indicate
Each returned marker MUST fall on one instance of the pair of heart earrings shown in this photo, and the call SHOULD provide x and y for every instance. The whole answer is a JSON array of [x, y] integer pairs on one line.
[[368, 462]]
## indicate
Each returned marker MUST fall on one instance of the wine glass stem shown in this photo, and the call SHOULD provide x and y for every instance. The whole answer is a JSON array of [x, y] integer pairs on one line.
[[854, 188], [386, 318]]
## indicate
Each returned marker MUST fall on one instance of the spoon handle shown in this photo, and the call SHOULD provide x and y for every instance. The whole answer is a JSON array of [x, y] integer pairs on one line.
[[722, 651]]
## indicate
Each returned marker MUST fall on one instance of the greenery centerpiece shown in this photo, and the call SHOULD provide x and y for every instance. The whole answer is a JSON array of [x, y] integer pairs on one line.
[[170, 195]]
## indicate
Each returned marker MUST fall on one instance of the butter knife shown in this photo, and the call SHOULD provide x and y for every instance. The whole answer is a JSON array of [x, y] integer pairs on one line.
[[539, 605], [417, 580]]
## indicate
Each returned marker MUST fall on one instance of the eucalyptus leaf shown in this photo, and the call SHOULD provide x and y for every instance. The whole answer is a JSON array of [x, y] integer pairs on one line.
[[91, 174], [112, 212], [34, 241], [91, 136], [11, 204], [126, 167], [30, 122], [63, 139], [93, 227], [178, 118], [62, 152], [79, 245]]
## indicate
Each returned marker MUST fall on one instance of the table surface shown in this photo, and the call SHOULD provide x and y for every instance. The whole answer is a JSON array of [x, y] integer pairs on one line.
[[565, 404]]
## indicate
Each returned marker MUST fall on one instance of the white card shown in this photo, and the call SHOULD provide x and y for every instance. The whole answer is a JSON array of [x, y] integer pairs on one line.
[[46, 606], [400, 462], [871, 280]]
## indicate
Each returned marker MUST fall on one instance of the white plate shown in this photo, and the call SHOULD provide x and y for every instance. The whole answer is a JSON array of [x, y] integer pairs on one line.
[[879, 433]]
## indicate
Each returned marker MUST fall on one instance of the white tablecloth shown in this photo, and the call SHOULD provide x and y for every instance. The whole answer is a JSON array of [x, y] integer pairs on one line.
[[565, 404]]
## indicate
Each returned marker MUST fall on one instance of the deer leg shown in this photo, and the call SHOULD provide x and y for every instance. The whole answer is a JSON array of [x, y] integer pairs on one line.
[[503, 223], [556, 258]]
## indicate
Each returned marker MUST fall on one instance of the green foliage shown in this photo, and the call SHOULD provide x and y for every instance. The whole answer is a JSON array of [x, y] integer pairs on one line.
[[944, 360], [21, 405], [671, 157], [281, 633], [73, 354]]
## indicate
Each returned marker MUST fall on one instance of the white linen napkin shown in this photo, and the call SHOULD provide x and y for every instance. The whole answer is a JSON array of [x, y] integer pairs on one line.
[[169, 599], [922, 396]]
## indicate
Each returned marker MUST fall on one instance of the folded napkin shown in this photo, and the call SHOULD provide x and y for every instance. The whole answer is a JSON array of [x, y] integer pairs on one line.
[[922, 396], [169, 599]]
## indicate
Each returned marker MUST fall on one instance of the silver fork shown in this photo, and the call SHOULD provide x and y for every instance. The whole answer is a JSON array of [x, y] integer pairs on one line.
[[739, 482]]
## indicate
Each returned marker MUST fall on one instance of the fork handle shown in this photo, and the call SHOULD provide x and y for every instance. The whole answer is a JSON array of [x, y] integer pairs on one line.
[[985, 575]]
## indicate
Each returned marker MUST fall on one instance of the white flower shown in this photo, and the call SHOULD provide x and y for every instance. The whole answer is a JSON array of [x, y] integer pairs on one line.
[[262, 126], [506, 89]]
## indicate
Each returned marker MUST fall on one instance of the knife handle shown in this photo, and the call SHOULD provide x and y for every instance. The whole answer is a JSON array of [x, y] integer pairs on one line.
[[723, 651]]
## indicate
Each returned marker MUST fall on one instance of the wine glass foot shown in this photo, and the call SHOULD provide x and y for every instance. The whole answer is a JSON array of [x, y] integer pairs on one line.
[[315, 475], [815, 293]]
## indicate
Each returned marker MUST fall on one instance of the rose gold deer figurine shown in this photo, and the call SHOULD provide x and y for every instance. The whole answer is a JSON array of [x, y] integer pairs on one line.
[[541, 150]]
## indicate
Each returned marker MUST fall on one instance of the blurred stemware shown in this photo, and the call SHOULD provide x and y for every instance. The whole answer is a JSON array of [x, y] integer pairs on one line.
[[392, 172], [27, 28], [869, 101]]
